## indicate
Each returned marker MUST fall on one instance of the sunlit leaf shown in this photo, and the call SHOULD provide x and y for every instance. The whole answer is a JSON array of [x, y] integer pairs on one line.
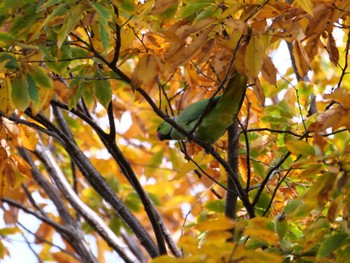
[[306, 5], [217, 224], [254, 56], [29, 137]]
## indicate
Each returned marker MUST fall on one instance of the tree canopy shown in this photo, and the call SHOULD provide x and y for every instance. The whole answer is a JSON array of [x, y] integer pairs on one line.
[[84, 86]]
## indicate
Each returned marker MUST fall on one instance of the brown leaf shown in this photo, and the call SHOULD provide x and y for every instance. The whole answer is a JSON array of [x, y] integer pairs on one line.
[[259, 92], [312, 47], [160, 6], [269, 70], [318, 22], [301, 58], [332, 49], [186, 30], [334, 118], [180, 53]]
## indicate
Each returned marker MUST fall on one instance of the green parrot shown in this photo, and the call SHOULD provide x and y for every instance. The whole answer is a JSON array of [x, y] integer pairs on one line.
[[218, 118]]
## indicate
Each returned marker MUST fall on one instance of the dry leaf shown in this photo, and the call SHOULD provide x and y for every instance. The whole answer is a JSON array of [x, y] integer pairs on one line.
[[301, 58], [269, 70]]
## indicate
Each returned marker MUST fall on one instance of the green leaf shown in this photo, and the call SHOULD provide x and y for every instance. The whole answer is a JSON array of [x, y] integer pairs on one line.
[[192, 8], [127, 6], [33, 91], [20, 93], [216, 206], [6, 38], [8, 61], [292, 206], [331, 244], [103, 92], [70, 21], [103, 16], [41, 78], [21, 24], [280, 225], [133, 202]]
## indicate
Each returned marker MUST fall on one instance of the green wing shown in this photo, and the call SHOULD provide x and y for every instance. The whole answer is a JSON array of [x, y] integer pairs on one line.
[[216, 122], [193, 111]]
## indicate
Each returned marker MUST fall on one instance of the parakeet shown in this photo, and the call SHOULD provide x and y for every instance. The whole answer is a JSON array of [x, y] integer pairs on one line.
[[218, 118]]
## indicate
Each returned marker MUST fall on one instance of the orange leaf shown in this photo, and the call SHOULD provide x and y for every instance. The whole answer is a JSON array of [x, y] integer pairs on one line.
[[4, 186], [145, 71], [340, 95]]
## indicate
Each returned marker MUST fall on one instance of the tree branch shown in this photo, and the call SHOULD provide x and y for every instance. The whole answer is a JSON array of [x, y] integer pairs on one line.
[[232, 159], [88, 214]]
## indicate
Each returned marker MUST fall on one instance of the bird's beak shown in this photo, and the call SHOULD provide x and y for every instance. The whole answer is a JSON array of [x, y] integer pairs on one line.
[[160, 136]]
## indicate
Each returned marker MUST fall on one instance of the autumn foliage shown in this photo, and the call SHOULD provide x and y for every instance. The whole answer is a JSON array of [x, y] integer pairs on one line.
[[84, 86]]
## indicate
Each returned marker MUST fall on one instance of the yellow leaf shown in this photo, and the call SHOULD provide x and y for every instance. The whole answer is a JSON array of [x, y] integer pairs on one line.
[[300, 147], [28, 136], [45, 96], [302, 60], [306, 5], [217, 224], [168, 259], [22, 166], [257, 227], [254, 56], [199, 159]]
